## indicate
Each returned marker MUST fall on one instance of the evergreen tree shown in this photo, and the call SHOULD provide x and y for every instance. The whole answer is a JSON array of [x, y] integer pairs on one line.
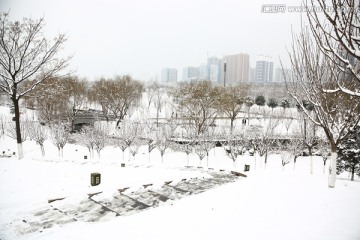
[[260, 100], [349, 154], [272, 103]]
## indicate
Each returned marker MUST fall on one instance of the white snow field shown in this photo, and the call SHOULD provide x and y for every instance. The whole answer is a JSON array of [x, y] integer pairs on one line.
[[271, 203]]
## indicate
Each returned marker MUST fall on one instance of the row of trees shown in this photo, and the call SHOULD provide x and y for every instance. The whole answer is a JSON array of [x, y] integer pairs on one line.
[[59, 99]]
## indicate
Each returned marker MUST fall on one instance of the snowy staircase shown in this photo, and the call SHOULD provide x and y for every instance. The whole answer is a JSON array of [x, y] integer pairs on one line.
[[99, 207]]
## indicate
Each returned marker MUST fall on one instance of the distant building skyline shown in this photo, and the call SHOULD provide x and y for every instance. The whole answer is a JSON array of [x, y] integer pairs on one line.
[[238, 70], [169, 75]]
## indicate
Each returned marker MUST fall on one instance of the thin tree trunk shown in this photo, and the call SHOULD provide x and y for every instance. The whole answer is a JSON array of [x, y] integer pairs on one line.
[[207, 160], [62, 152], [187, 159], [42, 150], [352, 173], [312, 164], [17, 128], [332, 174]]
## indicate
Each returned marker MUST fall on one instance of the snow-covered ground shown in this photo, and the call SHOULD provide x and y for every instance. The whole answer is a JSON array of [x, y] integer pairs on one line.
[[271, 203]]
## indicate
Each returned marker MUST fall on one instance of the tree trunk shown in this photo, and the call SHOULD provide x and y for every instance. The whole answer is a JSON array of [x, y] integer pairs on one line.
[[42, 150], [332, 174], [17, 128], [266, 156], [311, 161], [157, 117], [231, 124], [352, 172], [123, 155], [187, 159], [62, 152]]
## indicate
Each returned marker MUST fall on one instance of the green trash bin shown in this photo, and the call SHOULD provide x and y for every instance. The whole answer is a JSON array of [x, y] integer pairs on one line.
[[246, 168], [95, 179]]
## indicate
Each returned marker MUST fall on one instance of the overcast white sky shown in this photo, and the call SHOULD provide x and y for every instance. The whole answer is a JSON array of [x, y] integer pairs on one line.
[[139, 37]]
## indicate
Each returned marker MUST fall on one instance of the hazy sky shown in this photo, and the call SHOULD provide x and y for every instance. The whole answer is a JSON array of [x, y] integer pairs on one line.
[[139, 37]]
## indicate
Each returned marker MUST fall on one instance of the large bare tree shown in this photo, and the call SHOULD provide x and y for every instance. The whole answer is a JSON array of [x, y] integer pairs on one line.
[[335, 112], [117, 96], [231, 102], [197, 103], [336, 30], [26, 55]]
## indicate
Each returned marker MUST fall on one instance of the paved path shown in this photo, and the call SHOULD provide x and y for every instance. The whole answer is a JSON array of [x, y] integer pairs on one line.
[[99, 207]]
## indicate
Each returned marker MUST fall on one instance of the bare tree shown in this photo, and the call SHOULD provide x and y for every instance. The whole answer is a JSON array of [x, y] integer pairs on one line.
[[338, 39], [75, 93], [335, 112], [38, 133], [119, 138], [164, 142], [117, 96], [134, 149], [263, 141], [10, 130], [85, 137], [156, 96], [205, 141], [285, 158], [100, 136], [151, 136], [287, 121], [231, 102], [27, 58], [60, 136], [187, 141], [197, 103], [200, 151], [51, 103]]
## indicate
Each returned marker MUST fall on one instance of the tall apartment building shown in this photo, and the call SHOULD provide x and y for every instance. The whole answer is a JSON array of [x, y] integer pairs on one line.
[[209, 72], [264, 69], [237, 69], [190, 73], [169, 75]]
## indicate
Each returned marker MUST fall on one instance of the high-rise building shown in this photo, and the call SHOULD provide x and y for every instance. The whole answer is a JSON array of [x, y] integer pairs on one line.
[[169, 75], [190, 73], [209, 72], [237, 69], [264, 69], [214, 69]]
